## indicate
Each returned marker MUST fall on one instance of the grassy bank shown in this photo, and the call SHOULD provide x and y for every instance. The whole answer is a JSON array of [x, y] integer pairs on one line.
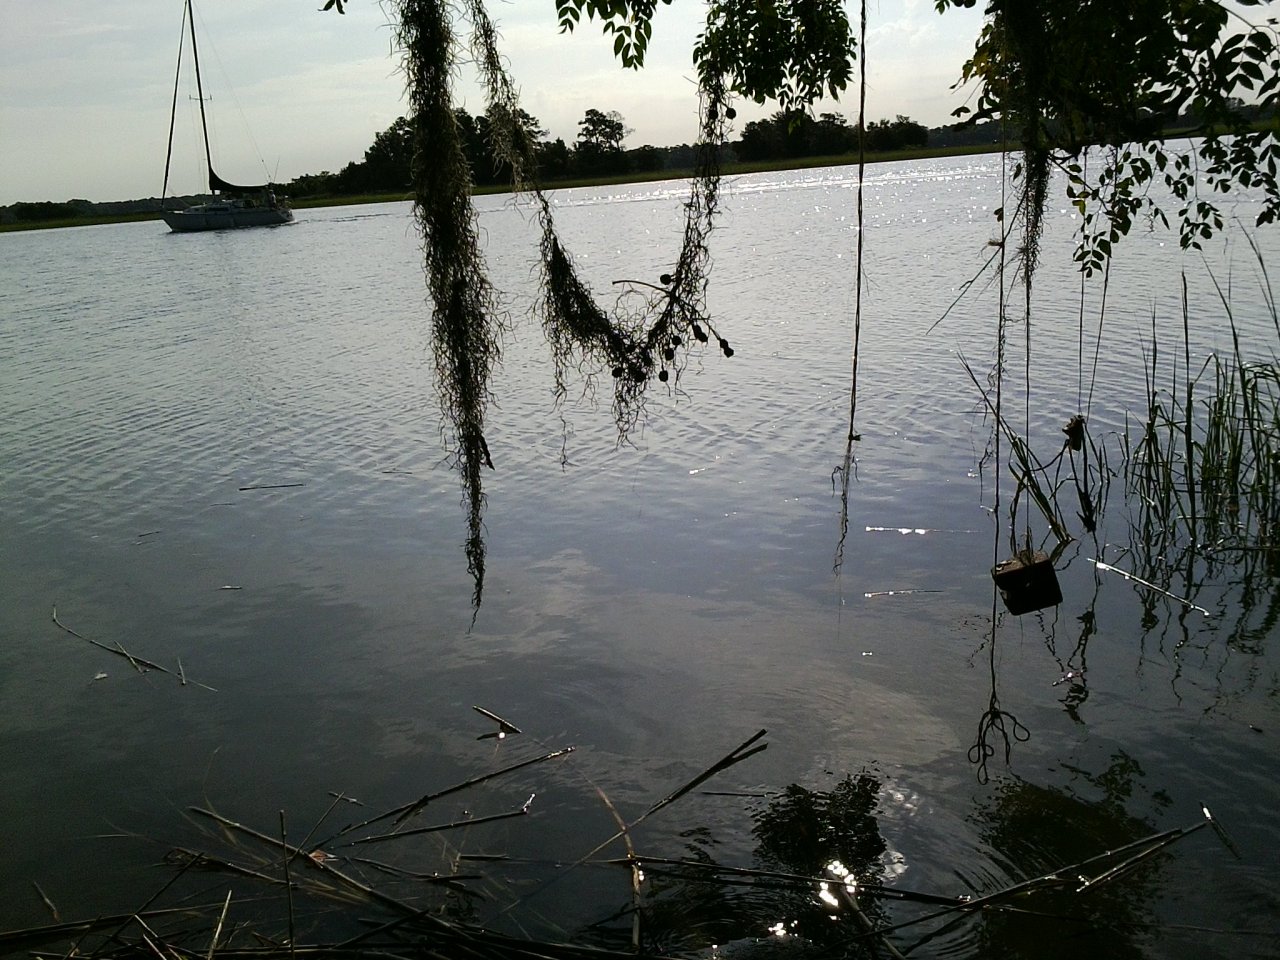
[[733, 169]]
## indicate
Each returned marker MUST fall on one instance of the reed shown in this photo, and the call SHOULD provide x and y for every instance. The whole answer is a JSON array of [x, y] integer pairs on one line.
[[1204, 469]]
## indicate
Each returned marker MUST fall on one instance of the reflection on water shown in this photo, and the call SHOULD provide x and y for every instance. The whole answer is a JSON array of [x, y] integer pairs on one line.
[[648, 604]]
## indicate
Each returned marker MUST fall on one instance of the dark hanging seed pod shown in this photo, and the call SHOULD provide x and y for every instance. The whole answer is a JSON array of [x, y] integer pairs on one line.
[[676, 341], [662, 375], [730, 113], [618, 372], [665, 279], [638, 374], [725, 348], [669, 353], [699, 334]]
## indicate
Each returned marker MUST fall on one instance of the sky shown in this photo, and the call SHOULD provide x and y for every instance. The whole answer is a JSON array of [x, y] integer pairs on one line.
[[86, 85]]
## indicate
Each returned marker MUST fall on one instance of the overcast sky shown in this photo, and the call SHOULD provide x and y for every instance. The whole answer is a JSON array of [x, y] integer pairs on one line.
[[86, 85]]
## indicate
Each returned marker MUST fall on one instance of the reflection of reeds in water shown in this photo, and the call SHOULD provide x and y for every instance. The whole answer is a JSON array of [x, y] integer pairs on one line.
[[814, 889]]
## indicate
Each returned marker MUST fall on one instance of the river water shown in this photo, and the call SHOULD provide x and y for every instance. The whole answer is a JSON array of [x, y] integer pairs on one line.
[[224, 450]]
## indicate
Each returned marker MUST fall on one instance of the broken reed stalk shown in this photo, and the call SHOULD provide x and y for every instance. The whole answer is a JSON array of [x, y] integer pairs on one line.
[[452, 825], [505, 726], [452, 880], [349, 882], [200, 859], [217, 930], [118, 650], [30, 937], [1150, 586], [288, 883], [44, 898], [407, 810], [736, 755], [139, 663], [632, 861]]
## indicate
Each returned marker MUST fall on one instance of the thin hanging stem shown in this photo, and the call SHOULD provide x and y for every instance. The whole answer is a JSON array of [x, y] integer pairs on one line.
[[846, 466]]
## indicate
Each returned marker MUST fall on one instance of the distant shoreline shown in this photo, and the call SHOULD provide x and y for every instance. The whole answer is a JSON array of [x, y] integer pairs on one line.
[[729, 169]]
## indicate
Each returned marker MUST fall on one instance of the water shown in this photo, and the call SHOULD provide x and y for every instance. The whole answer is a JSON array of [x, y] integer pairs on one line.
[[652, 604]]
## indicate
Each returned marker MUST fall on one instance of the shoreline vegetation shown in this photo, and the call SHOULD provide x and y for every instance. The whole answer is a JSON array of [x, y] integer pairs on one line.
[[737, 168]]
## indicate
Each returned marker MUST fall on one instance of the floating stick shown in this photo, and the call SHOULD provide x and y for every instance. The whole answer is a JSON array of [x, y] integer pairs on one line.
[[132, 662], [408, 810], [31, 936], [118, 650], [217, 930], [1150, 586], [192, 858], [735, 755], [271, 486], [452, 825], [47, 902], [336, 874], [504, 726], [138, 662], [288, 884]]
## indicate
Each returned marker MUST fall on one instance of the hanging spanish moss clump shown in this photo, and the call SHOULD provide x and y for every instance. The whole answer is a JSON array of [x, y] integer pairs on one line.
[[466, 327], [653, 326], [645, 337], [1020, 27], [648, 333]]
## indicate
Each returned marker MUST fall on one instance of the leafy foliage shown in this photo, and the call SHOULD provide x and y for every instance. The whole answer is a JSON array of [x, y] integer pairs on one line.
[[792, 51], [1065, 76], [629, 21]]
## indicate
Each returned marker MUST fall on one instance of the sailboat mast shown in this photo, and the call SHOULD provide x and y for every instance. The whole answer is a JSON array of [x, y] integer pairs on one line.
[[204, 123], [173, 109]]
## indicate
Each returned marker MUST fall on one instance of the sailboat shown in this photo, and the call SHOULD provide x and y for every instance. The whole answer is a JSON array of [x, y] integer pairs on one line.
[[232, 205]]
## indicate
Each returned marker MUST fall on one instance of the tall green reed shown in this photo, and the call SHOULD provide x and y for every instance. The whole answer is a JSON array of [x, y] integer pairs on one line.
[[1205, 469]]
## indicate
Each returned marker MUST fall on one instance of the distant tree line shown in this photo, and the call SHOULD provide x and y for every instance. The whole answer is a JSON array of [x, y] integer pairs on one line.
[[791, 134], [598, 150]]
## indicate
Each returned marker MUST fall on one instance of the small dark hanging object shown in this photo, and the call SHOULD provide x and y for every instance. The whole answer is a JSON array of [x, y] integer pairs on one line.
[[1027, 582], [1074, 429]]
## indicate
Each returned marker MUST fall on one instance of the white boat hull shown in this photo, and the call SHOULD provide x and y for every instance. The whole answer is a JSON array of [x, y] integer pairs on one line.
[[225, 217]]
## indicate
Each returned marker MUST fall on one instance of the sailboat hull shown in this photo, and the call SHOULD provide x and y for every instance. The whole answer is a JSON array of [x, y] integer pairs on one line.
[[224, 216]]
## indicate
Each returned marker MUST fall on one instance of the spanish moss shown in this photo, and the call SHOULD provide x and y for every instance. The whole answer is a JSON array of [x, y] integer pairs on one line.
[[646, 334], [466, 326]]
